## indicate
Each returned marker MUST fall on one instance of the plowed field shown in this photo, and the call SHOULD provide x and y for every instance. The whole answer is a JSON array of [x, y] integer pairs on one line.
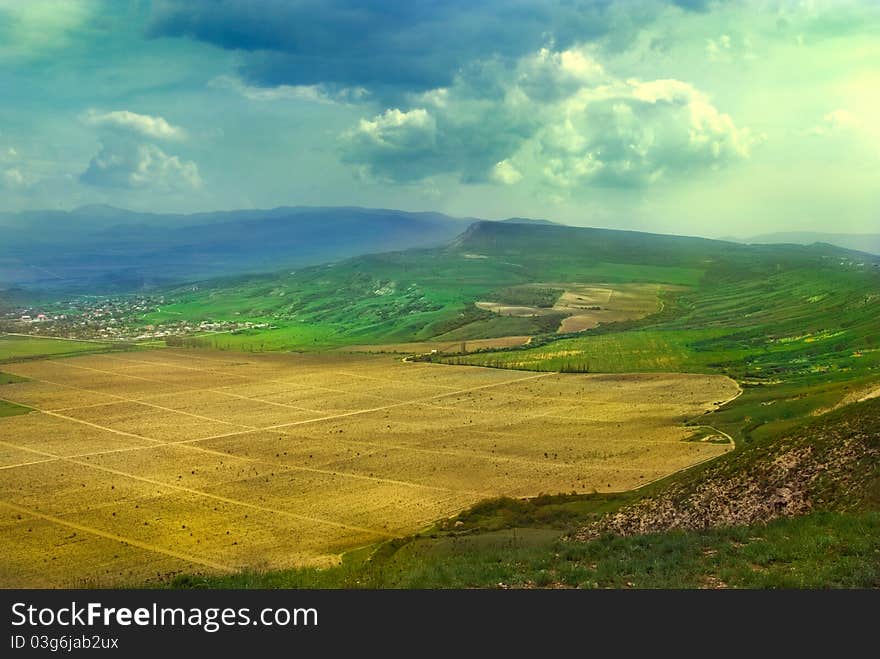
[[136, 466]]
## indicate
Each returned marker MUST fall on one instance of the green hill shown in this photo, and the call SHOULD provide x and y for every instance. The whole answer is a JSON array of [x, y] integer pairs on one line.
[[427, 293], [795, 504]]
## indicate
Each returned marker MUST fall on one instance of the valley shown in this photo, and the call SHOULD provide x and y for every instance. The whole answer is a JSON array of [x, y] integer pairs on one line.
[[391, 411], [161, 462]]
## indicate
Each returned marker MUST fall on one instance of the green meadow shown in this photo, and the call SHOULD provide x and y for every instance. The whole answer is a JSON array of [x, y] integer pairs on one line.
[[16, 347]]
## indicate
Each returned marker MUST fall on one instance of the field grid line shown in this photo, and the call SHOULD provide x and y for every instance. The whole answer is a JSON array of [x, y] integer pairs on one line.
[[362, 473]]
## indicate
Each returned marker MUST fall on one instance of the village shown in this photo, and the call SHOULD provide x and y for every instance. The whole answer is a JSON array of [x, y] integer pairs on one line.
[[118, 318]]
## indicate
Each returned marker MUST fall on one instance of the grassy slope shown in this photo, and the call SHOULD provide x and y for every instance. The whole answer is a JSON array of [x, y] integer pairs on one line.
[[800, 332], [417, 295], [422, 294], [9, 378]]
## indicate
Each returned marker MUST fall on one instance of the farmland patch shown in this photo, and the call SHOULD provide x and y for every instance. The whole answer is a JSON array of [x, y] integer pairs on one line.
[[582, 306], [139, 465]]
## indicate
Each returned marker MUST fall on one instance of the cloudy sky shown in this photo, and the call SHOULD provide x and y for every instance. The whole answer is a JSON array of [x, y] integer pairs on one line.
[[689, 116]]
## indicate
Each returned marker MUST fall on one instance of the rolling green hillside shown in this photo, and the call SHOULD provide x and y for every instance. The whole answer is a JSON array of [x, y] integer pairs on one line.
[[797, 326], [422, 294]]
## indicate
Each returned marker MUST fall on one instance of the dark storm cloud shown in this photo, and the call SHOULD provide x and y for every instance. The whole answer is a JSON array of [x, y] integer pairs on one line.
[[413, 45]]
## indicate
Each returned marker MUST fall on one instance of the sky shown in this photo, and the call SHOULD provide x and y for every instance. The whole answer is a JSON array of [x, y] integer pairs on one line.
[[699, 117]]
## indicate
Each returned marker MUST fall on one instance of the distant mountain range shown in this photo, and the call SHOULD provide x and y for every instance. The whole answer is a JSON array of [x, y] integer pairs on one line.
[[105, 249], [102, 249], [862, 242]]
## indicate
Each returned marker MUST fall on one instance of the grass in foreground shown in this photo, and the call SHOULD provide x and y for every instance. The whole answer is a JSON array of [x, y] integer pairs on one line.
[[821, 550]]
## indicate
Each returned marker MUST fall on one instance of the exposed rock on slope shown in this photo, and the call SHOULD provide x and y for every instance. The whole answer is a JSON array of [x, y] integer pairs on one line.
[[834, 463]]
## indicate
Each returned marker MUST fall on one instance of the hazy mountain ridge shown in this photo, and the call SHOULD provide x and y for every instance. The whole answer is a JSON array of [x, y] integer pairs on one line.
[[101, 248], [861, 242]]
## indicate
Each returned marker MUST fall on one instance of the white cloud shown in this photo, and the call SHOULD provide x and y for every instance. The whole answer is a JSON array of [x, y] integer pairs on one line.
[[132, 122], [399, 130], [549, 75], [506, 173], [556, 118], [636, 133], [129, 165], [394, 145], [13, 178], [719, 49], [127, 160], [14, 173]]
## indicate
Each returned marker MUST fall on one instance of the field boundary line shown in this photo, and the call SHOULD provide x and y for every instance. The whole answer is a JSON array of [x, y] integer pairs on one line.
[[118, 538], [396, 401], [190, 444], [136, 401], [250, 398], [141, 402], [317, 470], [123, 433], [91, 391], [208, 495], [641, 442], [289, 468], [27, 464], [409, 402], [145, 399], [502, 458], [678, 471], [312, 386]]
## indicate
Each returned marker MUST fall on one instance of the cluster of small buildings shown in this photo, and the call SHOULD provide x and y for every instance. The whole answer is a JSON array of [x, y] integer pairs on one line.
[[120, 318], [40, 318]]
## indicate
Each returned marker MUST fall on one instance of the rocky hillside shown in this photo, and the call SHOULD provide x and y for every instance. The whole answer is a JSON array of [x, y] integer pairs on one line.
[[832, 464]]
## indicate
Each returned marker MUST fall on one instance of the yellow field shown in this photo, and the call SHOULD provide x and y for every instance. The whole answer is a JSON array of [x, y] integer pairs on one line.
[[140, 465], [588, 305]]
